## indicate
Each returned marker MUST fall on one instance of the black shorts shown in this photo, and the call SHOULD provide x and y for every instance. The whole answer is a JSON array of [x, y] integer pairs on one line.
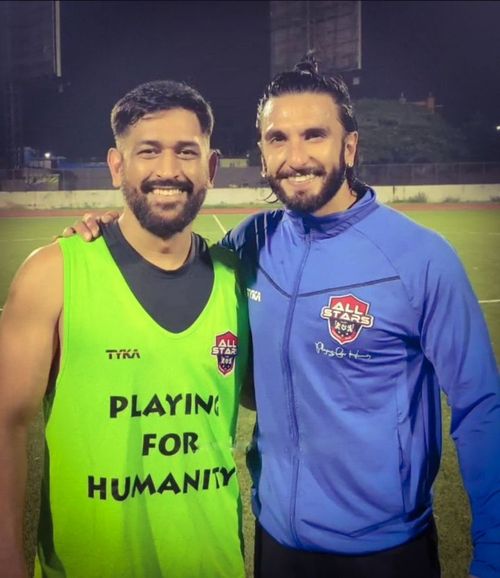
[[415, 559]]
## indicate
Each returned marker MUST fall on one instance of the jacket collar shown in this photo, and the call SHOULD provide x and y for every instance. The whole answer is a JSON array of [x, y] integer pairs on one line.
[[334, 224]]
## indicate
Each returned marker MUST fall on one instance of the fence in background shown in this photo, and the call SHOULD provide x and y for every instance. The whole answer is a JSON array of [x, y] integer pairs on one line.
[[97, 177]]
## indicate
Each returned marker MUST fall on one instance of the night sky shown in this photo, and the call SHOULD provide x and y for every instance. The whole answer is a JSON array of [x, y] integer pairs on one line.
[[451, 49]]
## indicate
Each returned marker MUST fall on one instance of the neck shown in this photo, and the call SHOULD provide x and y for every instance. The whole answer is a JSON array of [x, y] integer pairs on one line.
[[343, 200], [169, 254]]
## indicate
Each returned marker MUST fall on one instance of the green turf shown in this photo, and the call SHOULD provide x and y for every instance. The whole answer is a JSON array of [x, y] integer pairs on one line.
[[474, 234]]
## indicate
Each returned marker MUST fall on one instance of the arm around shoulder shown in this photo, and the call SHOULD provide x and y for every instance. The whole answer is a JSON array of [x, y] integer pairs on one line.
[[28, 344]]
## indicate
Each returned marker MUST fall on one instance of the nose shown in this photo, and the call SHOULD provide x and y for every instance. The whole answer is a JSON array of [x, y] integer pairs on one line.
[[167, 165], [297, 155]]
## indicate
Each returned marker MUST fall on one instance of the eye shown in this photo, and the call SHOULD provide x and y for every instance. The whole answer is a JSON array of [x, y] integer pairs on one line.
[[315, 134], [147, 152], [188, 153], [277, 138]]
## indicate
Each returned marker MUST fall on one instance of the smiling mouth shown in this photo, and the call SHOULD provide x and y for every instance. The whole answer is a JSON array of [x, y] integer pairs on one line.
[[167, 192], [299, 179]]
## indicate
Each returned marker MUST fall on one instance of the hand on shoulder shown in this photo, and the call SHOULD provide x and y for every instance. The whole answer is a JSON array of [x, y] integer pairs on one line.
[[89, 227]]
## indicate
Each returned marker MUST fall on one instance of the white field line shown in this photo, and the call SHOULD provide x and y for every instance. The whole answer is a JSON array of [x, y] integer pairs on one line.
[[224, 231]]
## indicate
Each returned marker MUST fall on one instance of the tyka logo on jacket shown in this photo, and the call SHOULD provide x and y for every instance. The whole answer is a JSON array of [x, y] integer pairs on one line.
[[226, 350], [347, 316]]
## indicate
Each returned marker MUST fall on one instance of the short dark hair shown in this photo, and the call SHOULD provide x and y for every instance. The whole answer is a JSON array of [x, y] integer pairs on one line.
[[306, 78], [159, 95]]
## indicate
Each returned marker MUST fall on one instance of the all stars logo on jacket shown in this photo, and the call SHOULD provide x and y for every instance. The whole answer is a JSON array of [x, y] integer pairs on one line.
[[226, 350], [347, 316]]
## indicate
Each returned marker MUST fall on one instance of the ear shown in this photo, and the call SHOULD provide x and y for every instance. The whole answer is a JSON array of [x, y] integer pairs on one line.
[[115, 164], [350, 148], [213, 164]]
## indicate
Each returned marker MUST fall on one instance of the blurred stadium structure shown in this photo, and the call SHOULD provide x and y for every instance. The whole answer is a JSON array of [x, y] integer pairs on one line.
[[331, 30], [30, 48]]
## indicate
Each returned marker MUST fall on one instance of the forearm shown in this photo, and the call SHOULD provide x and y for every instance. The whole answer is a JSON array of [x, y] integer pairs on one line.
[[13, 473]]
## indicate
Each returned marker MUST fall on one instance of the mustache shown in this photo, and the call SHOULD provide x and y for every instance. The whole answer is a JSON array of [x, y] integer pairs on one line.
[[314, 171], [148, 186]]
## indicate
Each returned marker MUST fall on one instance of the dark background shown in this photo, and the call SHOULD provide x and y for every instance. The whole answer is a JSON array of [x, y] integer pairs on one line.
[[451, 49]]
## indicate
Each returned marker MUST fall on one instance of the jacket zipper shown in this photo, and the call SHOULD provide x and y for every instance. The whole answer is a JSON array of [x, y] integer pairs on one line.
[[294, 427]]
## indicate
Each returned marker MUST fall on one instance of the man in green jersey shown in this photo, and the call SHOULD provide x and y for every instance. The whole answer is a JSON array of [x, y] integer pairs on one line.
[[141, 407]]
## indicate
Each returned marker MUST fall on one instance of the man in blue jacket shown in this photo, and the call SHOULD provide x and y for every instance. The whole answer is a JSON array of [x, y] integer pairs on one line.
[[359, 318]]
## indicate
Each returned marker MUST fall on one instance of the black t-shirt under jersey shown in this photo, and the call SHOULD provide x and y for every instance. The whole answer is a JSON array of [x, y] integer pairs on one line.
[[174, 299]]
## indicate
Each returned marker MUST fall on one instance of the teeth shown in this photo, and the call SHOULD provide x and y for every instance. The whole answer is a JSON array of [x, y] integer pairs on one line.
[[301, 178], [167, 192]]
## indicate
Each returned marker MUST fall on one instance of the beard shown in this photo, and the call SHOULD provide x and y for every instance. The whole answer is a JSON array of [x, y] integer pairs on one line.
[[152, 221], [301, 201]]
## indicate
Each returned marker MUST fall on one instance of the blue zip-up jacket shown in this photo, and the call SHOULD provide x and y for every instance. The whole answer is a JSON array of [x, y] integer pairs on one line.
[[359, 319]]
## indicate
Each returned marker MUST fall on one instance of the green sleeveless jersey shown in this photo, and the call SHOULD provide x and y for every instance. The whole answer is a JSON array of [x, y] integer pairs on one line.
[[140, 480]]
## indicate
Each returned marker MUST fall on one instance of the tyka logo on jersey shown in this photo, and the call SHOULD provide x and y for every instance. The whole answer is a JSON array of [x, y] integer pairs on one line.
[[347, 316], [226, 350], [123, 353]]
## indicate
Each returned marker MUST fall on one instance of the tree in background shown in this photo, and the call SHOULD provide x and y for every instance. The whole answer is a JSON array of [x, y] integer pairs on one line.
[[396, 132], [403, 132]]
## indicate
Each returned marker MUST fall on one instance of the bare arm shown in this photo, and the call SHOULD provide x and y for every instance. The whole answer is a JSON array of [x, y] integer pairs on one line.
[[28, 343]]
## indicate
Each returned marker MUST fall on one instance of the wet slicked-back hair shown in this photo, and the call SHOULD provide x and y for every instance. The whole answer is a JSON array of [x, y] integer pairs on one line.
[[156, 96], [306, 78]]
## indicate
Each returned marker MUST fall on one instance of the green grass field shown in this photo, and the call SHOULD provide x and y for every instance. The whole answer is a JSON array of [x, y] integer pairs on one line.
[[474, 233]]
